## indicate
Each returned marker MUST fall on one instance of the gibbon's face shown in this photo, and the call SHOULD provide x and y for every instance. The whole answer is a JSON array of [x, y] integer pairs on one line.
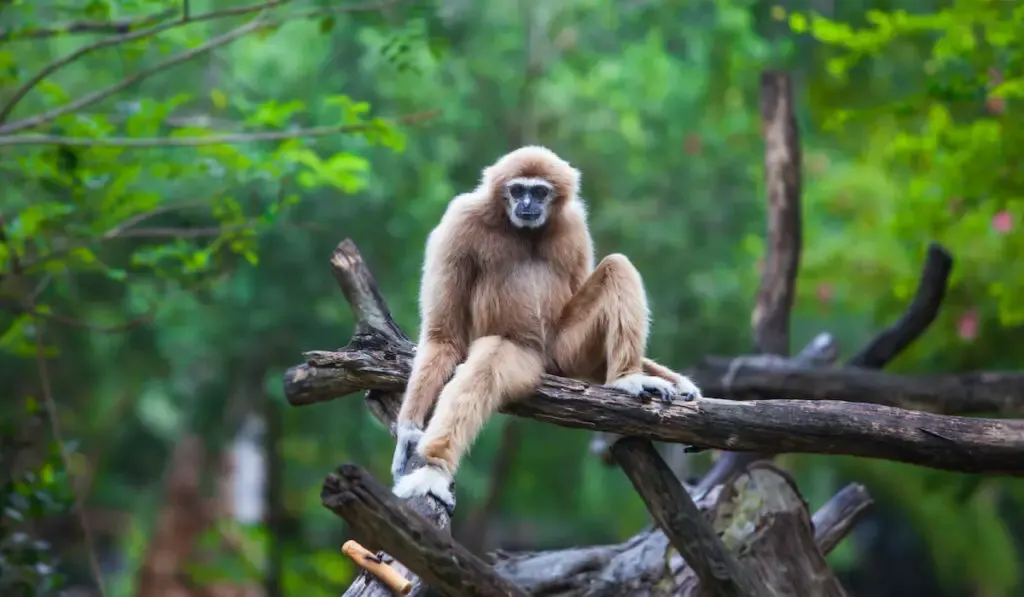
[[528, 201]]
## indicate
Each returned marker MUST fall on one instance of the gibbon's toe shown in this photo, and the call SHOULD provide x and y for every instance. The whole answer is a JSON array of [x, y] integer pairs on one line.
[[646, 386], [427, 480], [687, 389]]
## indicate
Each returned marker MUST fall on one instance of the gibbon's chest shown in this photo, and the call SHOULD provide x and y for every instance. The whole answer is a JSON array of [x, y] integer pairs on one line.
[[522, 294]]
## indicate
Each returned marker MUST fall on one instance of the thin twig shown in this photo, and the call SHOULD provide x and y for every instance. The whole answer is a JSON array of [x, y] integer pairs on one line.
[[46, 71], [153, 142], [48, 401], [60, 63], [119, 26], [96, 96]]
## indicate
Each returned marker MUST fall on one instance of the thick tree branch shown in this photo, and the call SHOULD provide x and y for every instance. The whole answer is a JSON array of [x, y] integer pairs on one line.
[[931, 290], [964, 444], [774, 539], [372, 362], [968, 393], [371, 510], [805, 376], [776, 293], [775, 296], [679, 518]]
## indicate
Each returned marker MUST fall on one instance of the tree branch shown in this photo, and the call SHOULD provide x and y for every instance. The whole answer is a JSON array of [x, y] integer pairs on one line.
[[96, 96], [964, 444], [774, 539], [836, 518], [970, 394], [679, 518], [89, 99], [931, 290], [118, 26], [371, 510], [373, 362], [776, 293], [154, 142]]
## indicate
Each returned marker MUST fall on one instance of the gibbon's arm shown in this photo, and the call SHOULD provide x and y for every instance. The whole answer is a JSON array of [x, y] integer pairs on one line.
[[445, 288]]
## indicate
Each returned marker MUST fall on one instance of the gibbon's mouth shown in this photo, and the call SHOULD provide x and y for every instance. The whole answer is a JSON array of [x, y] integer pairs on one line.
[[529, 216]]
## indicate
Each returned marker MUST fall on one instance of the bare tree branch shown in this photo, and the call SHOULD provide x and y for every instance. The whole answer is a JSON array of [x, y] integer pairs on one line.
[[824, 427], [990, 446], [836, 518], [931, 290], [118, 26], [775, 296], [154, 142], [444, 564], [679, 518]]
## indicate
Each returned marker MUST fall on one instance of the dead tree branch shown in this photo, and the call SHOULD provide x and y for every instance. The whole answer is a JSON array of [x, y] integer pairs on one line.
[[776, 540], [371, 362], [381, 352], [776, 293], [931, 290], [375, 514], [680, 519]]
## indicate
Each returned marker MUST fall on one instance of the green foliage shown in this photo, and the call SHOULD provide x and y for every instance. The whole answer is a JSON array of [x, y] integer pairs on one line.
[[28, 495], [155, 214]]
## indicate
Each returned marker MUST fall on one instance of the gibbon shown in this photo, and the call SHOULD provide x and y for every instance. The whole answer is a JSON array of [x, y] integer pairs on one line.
[[510, 291]]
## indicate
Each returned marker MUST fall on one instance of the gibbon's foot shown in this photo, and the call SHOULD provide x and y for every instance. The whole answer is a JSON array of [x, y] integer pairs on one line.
[[430, 480], [649, 386], [408, 437]]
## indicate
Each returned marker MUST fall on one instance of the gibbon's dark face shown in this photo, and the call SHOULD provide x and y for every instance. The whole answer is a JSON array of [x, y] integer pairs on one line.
[[528, 201]]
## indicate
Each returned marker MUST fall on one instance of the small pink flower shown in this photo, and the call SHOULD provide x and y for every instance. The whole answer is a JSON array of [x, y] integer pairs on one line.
[[1002, 222], [967, 326]]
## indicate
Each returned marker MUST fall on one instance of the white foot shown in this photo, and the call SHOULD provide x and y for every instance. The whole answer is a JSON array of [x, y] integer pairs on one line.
[[408, 437], [425, 480], [642, 386]]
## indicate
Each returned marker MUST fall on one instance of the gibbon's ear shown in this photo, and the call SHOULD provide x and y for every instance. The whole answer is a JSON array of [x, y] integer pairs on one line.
[[533, 161]]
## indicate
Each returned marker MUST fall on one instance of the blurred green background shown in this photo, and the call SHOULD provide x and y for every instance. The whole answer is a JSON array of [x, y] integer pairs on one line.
[[161, 270]]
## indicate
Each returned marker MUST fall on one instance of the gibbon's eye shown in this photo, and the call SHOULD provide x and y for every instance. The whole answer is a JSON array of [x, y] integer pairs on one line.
[[517, 190], [539, 192]]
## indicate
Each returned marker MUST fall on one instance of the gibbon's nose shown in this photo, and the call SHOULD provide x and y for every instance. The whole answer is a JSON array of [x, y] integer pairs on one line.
[[527, 201]]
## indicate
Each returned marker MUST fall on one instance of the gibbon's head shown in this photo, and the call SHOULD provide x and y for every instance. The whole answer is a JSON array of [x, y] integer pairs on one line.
[[531, 183]]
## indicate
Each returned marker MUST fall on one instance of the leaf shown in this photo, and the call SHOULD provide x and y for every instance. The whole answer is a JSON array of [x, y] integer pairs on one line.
[[219, 99]]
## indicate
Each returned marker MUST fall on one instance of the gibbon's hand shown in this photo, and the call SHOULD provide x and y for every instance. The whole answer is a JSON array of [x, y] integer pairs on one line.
[[649, 386], [408, 437]]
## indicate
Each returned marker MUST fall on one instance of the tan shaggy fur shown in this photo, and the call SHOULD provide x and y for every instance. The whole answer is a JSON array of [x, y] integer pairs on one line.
[[510, 303]]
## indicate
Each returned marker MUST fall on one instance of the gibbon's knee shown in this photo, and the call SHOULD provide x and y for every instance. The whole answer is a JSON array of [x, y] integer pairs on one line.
[[496, 371], [623, 279]]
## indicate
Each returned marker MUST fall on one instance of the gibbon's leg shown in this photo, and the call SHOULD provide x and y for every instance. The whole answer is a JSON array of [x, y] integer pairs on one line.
[[602, 335], [495, 371]]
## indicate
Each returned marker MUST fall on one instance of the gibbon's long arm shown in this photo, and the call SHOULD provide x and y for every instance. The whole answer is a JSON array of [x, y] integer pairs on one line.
[[448, 274]]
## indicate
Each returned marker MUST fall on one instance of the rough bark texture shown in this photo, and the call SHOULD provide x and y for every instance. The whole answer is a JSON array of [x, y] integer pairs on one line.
[[372, 511], [963, 444], [774, 302], [760, 516], [679, 518], [376, 328], [976, 393], [378, 358]]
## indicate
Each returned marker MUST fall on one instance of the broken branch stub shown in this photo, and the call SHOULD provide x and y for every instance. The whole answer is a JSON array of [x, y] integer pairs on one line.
[[372, 511]]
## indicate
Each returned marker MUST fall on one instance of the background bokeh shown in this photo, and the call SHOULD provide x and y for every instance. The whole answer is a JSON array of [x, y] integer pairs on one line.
[[158, 279]]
